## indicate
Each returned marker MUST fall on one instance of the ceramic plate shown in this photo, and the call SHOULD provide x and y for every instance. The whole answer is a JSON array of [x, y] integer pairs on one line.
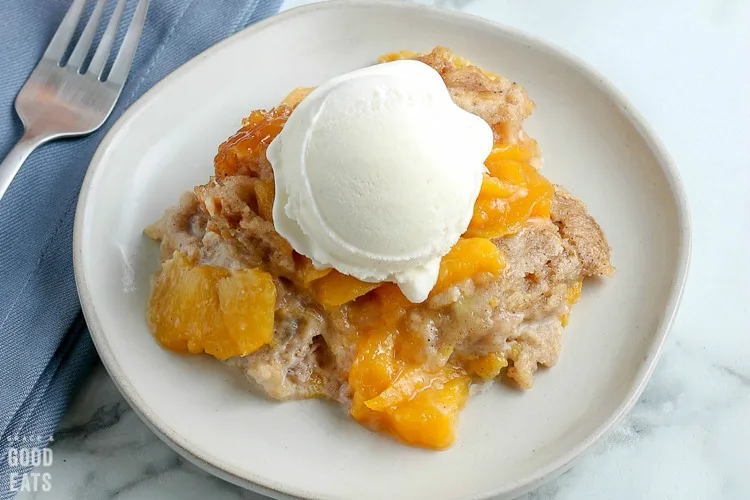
[[594, 144]]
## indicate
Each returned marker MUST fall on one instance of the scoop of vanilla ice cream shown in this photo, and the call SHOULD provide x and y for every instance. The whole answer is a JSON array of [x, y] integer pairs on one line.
[[377, 172]]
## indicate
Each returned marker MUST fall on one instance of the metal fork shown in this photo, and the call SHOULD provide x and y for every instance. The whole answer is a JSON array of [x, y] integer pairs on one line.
[[63, 101]]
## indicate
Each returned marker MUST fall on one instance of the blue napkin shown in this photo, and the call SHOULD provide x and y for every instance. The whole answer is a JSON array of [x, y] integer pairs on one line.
[[45, 350]]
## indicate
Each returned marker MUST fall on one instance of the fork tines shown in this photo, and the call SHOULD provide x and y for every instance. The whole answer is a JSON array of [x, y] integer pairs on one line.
[[60, 42]]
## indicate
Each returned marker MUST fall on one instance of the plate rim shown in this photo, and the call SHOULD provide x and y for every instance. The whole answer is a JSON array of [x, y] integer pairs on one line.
[[275, 489]]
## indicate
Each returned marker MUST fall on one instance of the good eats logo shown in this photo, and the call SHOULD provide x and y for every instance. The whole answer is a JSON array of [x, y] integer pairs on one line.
[[25, 452]]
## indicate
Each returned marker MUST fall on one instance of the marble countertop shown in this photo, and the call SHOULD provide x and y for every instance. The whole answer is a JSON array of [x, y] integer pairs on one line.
[[684, 64]]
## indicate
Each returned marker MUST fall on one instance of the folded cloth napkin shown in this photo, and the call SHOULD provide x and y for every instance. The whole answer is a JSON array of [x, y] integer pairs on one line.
[[45, 349]]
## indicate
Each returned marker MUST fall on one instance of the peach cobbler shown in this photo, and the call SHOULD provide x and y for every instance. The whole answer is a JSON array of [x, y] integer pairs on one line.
[[440, 298]]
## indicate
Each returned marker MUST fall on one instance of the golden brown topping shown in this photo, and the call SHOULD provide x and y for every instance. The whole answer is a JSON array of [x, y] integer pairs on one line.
[[583, 232]]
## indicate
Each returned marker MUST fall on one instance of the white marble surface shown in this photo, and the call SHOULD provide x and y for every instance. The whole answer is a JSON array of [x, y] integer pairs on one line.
[[685, 64]]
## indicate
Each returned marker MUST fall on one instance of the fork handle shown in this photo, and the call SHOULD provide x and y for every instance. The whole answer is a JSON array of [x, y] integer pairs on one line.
[[12, 163]]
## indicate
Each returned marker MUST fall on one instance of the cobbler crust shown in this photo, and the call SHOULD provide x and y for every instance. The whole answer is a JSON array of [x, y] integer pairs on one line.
[[495, 99]]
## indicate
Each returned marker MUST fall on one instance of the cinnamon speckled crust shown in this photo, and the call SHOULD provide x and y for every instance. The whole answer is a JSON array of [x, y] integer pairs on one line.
[[499, 101], [545, 260], [582, 232], [299, 364], [233, 213], [181, 228]]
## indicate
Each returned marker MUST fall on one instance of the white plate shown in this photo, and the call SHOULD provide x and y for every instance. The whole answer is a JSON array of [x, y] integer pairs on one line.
[[594, 143]]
